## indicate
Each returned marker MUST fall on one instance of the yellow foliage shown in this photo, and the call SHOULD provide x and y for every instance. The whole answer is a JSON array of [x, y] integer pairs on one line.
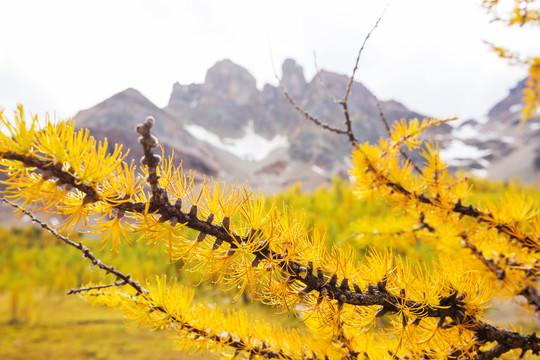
[[379, 304]]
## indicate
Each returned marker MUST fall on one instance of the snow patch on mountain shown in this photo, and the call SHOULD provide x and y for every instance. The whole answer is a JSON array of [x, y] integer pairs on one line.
[[458, 150], [251, 147], [318, 170], [472, 132], [466, 132], [515, 108]]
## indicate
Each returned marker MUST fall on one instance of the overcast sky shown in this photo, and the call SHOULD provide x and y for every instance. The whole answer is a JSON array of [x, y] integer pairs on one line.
[[65, 56]]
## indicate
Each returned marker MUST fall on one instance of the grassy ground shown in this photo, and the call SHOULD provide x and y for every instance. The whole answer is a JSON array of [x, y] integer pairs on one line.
[[58, 326], [66, 327]]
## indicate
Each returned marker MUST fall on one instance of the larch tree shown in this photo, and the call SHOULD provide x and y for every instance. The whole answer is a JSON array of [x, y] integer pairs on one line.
[[379, 306]]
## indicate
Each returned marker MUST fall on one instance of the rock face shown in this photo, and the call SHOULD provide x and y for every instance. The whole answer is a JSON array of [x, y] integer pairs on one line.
[[229, 82], [293, 78], [228, 102]]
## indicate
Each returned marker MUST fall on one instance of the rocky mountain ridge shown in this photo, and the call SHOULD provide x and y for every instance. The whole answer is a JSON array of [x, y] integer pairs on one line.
[[226, 127]]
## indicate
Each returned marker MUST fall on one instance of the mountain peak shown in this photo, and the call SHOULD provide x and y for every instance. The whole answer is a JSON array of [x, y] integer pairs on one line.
[[231, 81], [131, 94], [130, 90], [227, 66], [293, 77]]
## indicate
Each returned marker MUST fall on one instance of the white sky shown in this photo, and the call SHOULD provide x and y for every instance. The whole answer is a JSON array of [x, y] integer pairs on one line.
[[65, 56]]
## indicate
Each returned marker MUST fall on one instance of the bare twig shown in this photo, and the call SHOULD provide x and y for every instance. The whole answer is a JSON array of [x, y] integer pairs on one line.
[[387, 126], [126, 278], [351, 80], [298, 108], [343, 102], [96, 287], [308, 115], [321, 81], [382, 117], [348, 124]]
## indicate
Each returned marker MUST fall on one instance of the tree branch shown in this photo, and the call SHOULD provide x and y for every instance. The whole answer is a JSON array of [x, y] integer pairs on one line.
[[528, 291], [86, 253], [451, 306], [387, 126], [308, 115]]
